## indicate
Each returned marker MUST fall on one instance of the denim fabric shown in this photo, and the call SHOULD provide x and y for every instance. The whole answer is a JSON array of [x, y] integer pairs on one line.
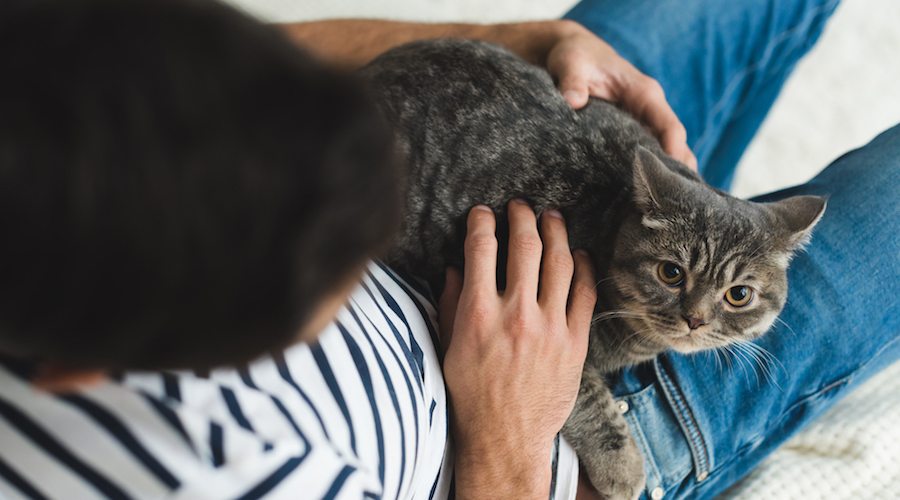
[[721, 63], [703, 424]]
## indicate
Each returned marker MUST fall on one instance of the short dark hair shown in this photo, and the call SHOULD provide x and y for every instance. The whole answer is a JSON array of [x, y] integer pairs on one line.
[[180, 185]]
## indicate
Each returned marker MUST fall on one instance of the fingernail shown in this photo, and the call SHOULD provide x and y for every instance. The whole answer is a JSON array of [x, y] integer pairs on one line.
[[573, 95], [482, 208], [554, 213]]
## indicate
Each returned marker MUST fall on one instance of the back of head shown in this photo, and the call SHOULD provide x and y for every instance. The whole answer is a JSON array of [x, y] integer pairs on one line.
[[179, 185]]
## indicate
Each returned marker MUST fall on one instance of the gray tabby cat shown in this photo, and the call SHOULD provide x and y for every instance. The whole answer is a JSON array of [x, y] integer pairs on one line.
[[686, 267]]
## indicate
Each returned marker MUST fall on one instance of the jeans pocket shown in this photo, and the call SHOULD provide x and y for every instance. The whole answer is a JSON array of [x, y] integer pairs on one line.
[[667, 456]]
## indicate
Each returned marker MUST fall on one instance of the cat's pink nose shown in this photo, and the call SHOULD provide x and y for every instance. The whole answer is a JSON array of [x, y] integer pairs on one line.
[[694, 322]]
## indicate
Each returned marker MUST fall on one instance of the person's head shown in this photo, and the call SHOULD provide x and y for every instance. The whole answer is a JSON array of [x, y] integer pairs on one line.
[[180, 187]]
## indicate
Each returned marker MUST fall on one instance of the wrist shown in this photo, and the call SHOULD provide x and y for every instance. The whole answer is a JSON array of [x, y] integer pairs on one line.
[[533, 41], [493, 469]]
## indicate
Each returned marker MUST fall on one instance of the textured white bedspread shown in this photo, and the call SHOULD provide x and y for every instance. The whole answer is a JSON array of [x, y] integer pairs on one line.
[[851, 452]]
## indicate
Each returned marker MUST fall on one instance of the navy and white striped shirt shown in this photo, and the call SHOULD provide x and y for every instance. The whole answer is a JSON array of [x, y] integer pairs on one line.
[[360, 414]]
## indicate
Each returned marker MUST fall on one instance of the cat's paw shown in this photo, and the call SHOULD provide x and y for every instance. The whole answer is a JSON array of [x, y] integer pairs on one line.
[[618, 474]]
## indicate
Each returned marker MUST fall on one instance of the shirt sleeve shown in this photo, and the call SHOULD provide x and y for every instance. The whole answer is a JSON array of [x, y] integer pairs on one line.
[[566, 472]]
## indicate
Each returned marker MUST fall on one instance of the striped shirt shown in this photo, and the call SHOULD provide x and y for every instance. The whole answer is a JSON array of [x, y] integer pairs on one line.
[[362, 413]]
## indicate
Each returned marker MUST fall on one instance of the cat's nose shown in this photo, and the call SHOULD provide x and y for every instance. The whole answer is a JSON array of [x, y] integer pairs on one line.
[[694, 322]]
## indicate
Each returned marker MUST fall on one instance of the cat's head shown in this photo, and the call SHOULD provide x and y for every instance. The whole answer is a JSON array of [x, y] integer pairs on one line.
[[694, 268]]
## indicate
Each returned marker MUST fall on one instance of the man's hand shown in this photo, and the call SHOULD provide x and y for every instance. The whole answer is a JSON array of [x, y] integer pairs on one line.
[[586, 66], [514, 358], [583, 64]]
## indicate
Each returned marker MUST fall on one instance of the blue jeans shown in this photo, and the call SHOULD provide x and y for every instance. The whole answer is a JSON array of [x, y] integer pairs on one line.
[[702, 424]]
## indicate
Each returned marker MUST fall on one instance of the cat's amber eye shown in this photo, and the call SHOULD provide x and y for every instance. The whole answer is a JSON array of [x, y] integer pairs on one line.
[[739, 296], [670, 273]]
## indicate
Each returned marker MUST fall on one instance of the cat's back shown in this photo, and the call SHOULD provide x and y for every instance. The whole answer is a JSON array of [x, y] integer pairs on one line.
[[476, 124], [462, 81]]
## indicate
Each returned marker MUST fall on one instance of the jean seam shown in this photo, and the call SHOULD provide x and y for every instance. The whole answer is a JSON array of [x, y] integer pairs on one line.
[[838, 382], [686, 421], [645, 447], [751, 68]]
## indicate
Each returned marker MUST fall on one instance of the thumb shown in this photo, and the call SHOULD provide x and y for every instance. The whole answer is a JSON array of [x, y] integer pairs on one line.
[[447, 306], [575, 90]]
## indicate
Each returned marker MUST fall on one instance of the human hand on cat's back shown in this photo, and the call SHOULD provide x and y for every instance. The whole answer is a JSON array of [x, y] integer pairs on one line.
[[586, 66], [514, 357]]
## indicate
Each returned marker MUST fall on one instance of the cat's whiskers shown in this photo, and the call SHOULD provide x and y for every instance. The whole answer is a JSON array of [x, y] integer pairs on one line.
[[783, 322], [608, 315], [740, 361], [764, 353], [636, 337], [604, 280], [715, 355], [767, 361], [725, 357], [732, 348], [757, 356], [756, 361]]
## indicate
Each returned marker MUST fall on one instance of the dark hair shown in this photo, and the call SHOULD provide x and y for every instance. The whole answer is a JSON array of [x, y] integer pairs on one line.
[[180, 186]]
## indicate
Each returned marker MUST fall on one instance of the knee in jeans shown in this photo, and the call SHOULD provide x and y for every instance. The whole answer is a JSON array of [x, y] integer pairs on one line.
[[868, 175]]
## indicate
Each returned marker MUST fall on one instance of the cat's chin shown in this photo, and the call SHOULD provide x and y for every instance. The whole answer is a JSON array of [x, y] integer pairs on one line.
[[688, 348], [687, 344]]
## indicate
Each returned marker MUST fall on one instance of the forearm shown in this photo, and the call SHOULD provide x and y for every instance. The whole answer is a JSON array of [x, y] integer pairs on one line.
[[354, 42]]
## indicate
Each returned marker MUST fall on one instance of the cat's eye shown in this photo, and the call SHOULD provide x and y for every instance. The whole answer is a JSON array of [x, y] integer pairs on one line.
[[739, 296], [670, 273]]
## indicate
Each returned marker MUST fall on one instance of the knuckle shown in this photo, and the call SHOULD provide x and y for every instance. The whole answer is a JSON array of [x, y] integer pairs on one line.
[[526, 243], [652, 86], [650, 90], [584, 291], [478, 310], [517, 323], [481, 243], [522, 305], [560, 263]]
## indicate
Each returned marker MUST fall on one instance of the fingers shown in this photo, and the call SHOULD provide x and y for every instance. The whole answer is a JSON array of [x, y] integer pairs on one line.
[[525, 247], [481, 250], [587, 66], [447, 306], [583, 295], [676, 146], [670, 132], [645, 99], [575, 89], [556, 264]]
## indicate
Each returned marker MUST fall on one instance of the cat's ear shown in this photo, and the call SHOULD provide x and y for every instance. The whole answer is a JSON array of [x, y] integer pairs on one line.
[[798, 216], [653, 181]]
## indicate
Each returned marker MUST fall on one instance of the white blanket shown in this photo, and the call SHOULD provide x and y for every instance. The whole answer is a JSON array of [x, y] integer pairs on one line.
[[852, 452]]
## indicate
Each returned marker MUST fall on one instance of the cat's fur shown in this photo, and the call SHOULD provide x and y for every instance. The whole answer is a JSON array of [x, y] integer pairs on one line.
[[478, 125]]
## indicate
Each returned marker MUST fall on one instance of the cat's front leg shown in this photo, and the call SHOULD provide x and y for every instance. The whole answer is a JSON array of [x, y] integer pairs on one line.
[[599, 434]]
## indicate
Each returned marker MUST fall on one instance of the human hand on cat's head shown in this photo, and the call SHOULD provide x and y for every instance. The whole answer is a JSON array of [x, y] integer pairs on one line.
[[514, 357], [586, 66]]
